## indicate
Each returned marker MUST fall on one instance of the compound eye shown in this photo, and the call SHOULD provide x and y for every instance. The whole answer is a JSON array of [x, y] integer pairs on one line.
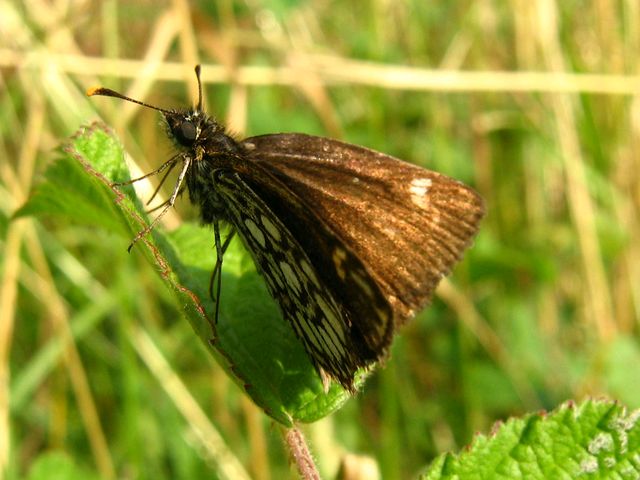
[[187, 132]]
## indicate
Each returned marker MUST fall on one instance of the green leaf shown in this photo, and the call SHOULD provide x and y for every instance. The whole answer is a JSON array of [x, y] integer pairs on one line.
[[596, 439], [70, 193], [58, 466], [251, 341]]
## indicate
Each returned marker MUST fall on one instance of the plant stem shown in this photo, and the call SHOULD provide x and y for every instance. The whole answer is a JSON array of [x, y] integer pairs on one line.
[[300, 453]]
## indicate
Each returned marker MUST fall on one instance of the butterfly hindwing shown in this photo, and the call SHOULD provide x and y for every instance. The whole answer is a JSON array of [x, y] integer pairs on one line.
[[311, 296]]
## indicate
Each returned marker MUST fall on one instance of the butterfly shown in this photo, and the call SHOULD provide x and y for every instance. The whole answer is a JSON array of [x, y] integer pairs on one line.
[[350, 242]]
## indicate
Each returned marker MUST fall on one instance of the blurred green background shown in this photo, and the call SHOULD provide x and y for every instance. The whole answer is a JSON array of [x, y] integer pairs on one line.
[[534, 103]]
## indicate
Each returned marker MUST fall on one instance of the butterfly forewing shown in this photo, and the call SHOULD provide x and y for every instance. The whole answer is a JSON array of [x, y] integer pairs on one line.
[[407, 225], [340, 336]]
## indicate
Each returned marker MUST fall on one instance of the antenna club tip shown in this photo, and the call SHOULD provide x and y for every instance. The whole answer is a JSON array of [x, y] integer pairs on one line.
[[197, 69], [91, 91]]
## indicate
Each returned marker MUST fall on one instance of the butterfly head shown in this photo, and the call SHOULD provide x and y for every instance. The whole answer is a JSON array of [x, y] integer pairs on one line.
[[185, 126]]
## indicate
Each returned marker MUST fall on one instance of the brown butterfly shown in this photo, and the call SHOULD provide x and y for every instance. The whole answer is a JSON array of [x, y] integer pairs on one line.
[[351, 242]]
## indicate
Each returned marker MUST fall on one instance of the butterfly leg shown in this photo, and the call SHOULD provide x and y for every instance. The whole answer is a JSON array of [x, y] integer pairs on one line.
[[168, 204], [216, 275]]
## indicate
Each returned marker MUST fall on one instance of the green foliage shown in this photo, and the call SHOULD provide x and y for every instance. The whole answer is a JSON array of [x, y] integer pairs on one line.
[[596, 439]]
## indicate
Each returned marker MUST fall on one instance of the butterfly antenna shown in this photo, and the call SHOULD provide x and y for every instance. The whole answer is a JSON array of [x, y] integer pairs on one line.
[[107, 92], [197, 69]]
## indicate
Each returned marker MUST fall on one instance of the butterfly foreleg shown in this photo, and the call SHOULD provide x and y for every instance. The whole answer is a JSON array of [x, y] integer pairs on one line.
[[169, 203]]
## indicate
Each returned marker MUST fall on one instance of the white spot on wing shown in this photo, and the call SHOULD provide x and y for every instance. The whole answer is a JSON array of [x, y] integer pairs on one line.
[[330, 316], [306, 268], [255, 231], [270, 228], [364, 286], [418, 189], [290, 277], [278, 276], [339, 256]]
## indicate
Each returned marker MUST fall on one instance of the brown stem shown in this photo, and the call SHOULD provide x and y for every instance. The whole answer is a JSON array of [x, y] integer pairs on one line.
[[300, 453]]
